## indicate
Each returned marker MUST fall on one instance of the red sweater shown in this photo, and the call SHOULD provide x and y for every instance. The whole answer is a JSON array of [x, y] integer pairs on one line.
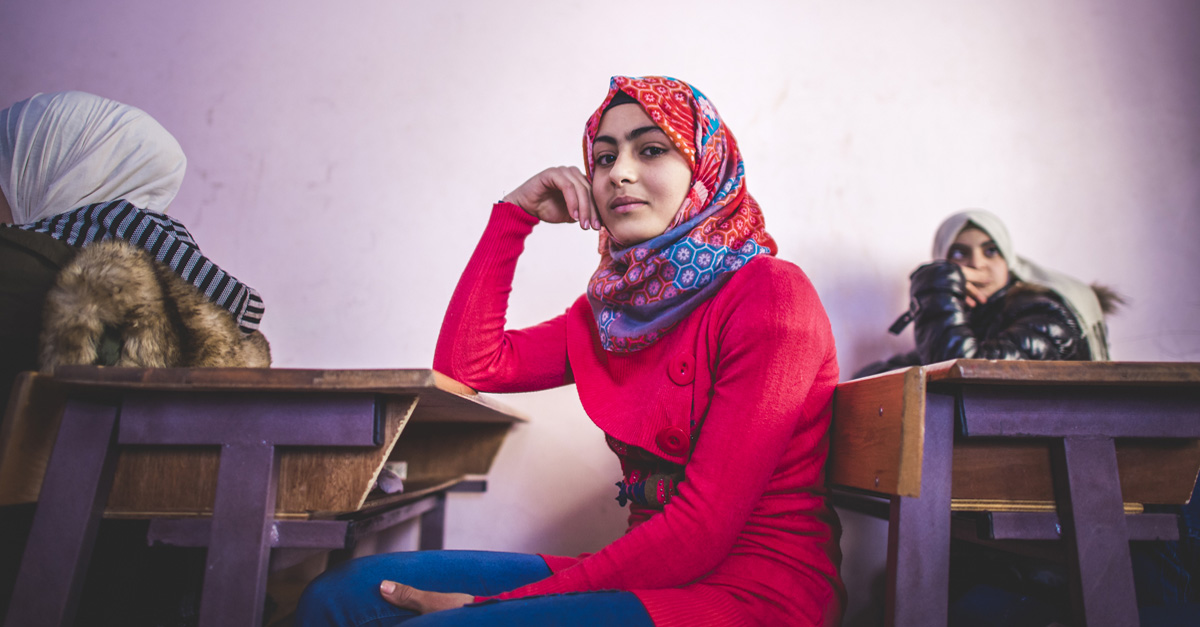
[[748, 539]]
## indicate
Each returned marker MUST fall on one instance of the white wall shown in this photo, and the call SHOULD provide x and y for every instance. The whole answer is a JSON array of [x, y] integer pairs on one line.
[[344, 156]]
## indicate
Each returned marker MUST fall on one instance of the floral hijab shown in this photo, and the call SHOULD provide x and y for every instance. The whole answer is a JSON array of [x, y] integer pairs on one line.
[[640, 292]]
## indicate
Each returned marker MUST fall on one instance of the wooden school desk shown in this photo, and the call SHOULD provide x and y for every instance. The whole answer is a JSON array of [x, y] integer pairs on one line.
[[1041, 450], [239, 460]]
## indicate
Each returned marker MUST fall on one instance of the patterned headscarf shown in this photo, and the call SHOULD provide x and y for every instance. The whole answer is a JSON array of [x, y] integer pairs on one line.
[[640, 292]]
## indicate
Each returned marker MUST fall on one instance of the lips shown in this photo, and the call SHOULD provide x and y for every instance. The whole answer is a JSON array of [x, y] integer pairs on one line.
[[625, 204]]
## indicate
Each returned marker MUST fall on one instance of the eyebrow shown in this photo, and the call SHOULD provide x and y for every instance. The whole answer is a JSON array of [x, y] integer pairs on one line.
[[957, 246], [634, 134]]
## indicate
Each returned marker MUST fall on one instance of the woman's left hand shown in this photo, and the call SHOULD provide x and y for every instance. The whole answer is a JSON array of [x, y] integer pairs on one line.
[[421, 601]]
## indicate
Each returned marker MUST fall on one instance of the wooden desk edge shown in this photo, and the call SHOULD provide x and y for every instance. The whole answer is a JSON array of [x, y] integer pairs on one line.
[[884, 435], [409, 381], [1024, 372]]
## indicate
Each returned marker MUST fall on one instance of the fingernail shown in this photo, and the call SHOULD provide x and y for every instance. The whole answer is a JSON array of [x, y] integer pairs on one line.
[[387, 587]]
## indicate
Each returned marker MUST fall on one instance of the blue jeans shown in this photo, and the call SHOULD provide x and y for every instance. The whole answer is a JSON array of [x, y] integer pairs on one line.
[[349, 593], [1168, 573]]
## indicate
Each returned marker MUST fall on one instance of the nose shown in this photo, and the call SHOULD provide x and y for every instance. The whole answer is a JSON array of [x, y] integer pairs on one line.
[[975, 259], [624, 169]]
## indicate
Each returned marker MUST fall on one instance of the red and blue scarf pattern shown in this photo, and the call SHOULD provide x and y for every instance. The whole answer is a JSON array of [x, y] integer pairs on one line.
[[640, 292]]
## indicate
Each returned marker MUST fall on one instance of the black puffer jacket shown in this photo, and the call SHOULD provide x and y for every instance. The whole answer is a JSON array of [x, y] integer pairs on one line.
[[1021, 321]]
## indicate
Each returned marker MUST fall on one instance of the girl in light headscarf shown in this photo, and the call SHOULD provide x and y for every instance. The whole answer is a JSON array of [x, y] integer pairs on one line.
[[76, 170], [978, 299], [84, 184], [82, 168]]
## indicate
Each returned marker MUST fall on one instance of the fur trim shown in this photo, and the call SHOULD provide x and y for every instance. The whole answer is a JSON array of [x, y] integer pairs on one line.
[[159, 319], [1024, 287], [1110, 299]]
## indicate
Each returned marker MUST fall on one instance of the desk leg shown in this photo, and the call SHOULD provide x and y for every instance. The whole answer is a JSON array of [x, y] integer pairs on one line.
[[1095, 531], [74, 493], [433, 526], [239, 549], [918, 560]]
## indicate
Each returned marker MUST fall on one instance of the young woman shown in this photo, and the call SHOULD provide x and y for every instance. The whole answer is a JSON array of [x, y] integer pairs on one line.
[[707, 362], [978, 299], [85, 183]]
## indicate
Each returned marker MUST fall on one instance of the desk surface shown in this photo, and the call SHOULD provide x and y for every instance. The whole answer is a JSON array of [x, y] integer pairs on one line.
[[451, 431], [442, 398], [984, 371]]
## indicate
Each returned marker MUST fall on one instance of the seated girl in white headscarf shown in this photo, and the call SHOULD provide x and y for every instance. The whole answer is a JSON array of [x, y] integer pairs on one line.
[[89, 262], [978, 299], [78, 171]]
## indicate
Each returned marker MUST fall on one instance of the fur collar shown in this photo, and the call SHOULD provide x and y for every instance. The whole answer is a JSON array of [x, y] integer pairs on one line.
[[115, 305]]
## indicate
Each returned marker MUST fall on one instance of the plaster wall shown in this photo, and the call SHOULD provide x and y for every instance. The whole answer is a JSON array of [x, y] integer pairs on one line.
[[343, 158]]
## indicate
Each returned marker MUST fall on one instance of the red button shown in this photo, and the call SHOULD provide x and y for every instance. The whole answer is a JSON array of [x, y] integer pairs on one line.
[[682, 369], [672, 440]]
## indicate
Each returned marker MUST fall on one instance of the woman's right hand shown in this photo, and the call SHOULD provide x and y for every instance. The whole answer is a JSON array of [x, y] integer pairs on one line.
[[422, 601], [974, 278], [560, 194]]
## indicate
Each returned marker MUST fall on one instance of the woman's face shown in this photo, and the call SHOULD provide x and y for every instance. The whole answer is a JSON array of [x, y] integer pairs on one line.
[[979, 257], [640, 179]]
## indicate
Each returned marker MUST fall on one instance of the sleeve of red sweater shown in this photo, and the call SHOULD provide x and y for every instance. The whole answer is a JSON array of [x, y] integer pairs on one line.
[[473, 347], [775, 342]]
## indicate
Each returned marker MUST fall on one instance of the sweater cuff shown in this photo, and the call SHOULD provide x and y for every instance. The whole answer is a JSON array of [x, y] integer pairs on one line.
[[512, 211], [571, 580]]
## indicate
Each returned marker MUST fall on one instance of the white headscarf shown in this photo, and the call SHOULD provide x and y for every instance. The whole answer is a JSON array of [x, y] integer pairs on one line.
[[62, 151], [1079, 297]]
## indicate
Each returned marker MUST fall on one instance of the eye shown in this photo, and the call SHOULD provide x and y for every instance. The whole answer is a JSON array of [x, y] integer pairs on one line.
[[654, 151], [956, 254], [604, 160], [991, 251]]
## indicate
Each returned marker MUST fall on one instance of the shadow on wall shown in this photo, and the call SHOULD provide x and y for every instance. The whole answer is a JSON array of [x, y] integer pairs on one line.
[[552, 540], [865, 307], [864, 568]]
